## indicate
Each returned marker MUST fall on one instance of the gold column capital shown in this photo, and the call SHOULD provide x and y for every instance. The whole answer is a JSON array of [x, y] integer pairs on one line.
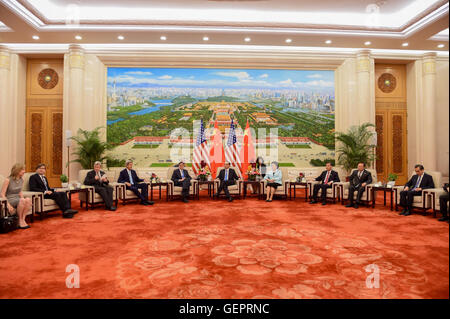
[[429, 63], [5, 57], [76, 57], [363, 61]]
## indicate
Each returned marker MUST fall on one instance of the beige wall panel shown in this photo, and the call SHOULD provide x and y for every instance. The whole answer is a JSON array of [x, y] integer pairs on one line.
[[34, 90], [399, 92]]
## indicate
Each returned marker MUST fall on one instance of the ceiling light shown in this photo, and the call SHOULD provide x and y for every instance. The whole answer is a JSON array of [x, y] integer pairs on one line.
[[120, 37], [35, 37], [247, 39], [163, 37], [288, 40], [205, 39], [367, 43], [78, 37], [440, 46], [405, 44], [328, 41]]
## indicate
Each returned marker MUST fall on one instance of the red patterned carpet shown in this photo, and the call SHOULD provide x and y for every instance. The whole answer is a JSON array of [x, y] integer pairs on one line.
[[215, 249]]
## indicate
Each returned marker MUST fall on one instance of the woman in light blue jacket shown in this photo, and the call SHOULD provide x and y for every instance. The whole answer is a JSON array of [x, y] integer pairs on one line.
[[273, 181]]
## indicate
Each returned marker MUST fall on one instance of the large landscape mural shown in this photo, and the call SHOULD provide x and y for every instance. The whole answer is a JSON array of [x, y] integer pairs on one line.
[[144, 105]]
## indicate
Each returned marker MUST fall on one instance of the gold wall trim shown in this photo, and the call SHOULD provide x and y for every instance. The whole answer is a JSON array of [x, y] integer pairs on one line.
[[44, 102], [391, 105]]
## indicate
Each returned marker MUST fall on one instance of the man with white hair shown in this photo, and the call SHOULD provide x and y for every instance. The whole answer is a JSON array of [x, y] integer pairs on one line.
[[129, 177], [99, 180]]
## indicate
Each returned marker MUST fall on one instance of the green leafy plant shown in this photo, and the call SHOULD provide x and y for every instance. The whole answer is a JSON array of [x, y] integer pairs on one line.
[[113, 162], [90, 148], [354, 146], [63, 178], [392, 177]]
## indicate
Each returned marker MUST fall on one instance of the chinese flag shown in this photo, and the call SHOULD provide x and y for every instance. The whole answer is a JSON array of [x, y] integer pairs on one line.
[[216, 154], [247, 153]]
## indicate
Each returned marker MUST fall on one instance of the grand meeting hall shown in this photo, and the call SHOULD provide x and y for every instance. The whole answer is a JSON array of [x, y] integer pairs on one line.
[[120, 122]]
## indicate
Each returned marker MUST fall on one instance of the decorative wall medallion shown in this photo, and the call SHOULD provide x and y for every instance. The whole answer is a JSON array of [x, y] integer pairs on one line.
[[48, 78], [387, 82]]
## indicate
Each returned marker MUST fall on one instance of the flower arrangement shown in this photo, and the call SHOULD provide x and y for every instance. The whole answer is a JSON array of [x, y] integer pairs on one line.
[[204, 172], [300, 177], [154, 178], [253, 172]]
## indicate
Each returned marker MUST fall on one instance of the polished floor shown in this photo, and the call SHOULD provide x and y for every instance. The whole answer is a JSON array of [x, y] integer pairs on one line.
[[215, 249]]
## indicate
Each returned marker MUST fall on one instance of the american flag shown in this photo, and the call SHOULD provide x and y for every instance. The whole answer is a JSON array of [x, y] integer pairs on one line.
[[201, 151], [231, 152]]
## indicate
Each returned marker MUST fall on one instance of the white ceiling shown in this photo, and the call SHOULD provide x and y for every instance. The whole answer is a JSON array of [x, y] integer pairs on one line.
[[347, 23]]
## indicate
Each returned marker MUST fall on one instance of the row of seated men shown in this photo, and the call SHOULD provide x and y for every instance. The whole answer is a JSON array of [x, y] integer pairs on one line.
[[359, 179]]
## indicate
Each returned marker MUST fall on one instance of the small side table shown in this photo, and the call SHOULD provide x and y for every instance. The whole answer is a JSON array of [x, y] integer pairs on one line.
[[160, 184], [254, 184], [294, 184], [79, 190], [385, 190], [211, 187]]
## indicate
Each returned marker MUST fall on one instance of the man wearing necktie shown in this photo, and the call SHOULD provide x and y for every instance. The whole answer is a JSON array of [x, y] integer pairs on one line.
[[359, 179], [98, 179], [39, 183], [227, 177], [414, 187], [326, 179], [181, 178], [129, 177]]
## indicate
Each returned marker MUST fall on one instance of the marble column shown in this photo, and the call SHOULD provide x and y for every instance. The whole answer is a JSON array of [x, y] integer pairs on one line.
[[5, 147], [365, 108], [74, 112], [364, 111], [429, 111]]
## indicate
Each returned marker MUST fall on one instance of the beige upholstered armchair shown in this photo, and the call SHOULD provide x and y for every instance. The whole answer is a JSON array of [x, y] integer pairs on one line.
[[176, 190], [235, 189], [124, 194], [3, 204], [46, 205], [282, 190], [434, 194], [423, 202], [34, 196], [333, 193], [94, 198], [367, 195]]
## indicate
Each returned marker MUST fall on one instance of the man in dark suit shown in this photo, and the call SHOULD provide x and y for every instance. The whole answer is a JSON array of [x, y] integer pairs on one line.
[[326, 179], [227, 177], [99, 180], [129, 177], [414, 187], [39, 183], [359, 179], [180, 177], [443, 200]]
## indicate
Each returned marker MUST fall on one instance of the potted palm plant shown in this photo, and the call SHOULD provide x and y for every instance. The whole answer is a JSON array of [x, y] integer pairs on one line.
[[355, 146], [90, 148]]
